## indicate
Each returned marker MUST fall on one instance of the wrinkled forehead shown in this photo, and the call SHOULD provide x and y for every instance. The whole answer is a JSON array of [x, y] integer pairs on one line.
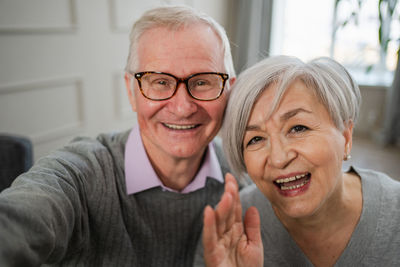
[[196, 45], [196, 32], [274, 93]]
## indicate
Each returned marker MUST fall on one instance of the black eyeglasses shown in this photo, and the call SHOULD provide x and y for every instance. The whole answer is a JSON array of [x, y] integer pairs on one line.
[[204, 86]]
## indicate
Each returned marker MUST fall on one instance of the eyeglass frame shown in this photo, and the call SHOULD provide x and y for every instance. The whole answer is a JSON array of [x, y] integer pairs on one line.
[[139, 75]]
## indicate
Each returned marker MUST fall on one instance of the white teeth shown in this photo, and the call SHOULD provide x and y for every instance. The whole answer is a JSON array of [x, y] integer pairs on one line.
[[179, 127], [293, 186], [290, 179]]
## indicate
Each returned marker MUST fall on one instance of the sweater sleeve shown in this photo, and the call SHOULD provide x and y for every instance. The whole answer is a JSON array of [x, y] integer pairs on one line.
[[43, 214]]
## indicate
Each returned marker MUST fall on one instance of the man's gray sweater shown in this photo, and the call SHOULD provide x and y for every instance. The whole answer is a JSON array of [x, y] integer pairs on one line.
[[72, 209]]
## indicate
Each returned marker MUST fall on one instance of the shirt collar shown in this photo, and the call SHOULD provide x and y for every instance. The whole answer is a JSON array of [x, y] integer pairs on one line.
[[140, 175]]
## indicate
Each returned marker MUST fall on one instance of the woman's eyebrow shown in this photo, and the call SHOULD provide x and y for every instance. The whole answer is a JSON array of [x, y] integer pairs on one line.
[[253, 128], [284, 117], [293, 113]]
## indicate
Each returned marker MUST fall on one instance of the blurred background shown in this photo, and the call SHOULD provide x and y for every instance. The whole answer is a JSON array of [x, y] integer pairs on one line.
[[62, 61]]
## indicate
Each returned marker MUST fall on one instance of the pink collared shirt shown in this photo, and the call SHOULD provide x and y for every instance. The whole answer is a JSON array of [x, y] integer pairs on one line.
[[140, 175]]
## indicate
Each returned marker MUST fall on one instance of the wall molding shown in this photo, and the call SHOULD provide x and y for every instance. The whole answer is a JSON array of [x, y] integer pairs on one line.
[[57, 132], [44, 29], [114, 25]]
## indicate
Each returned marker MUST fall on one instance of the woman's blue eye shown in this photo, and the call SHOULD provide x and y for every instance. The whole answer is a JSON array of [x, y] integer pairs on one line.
[[298, 129]]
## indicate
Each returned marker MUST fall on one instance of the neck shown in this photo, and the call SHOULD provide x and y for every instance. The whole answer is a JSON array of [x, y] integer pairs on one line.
[[344, 203], [176, 173], [324, 235]]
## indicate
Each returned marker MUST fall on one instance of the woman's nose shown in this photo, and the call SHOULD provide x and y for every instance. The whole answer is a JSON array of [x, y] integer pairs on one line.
[[280, 153]]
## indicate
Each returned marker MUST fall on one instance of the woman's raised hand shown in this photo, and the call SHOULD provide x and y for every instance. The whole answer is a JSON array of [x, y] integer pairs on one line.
[[227, 241]]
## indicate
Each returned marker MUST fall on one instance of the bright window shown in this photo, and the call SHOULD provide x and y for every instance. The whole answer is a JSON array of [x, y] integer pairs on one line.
[[306, 29]]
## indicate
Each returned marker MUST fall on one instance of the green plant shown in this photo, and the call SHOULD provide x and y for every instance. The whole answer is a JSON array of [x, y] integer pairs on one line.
[[386, 9], [386, 14]]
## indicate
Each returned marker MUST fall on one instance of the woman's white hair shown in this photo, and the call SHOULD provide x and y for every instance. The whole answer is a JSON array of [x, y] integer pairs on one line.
[[174, 18], [330, 82]]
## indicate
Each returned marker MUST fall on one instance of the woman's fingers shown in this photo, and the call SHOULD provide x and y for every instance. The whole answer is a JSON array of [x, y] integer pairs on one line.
[[210, 237], [234, 190], [252, 225], [223, 213], [229, 211], [231, 188], [251, 248], [226, 240]]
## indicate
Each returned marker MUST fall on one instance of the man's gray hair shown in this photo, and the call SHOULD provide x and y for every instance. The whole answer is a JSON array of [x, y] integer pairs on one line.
[[330, 82], [174, 18]]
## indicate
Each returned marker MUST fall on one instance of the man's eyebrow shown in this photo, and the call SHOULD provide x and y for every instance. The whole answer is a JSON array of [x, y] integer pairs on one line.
[[293, 113]]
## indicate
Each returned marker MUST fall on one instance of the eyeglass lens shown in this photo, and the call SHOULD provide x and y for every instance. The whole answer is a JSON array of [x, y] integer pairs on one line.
[[202, 86]]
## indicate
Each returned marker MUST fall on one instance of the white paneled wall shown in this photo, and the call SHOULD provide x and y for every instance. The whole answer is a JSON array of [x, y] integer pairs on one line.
[[61, 66]]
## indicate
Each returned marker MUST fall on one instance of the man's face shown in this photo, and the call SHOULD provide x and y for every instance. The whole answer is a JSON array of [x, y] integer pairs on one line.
[[180, 127]]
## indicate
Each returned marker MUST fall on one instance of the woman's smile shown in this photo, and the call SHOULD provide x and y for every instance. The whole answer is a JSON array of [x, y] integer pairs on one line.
[[293, 185]]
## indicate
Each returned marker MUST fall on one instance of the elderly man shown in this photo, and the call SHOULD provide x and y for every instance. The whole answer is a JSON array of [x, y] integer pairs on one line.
[[134, 198]]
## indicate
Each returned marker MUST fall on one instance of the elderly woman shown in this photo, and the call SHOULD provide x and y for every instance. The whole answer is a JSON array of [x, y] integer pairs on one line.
[[289, 126]]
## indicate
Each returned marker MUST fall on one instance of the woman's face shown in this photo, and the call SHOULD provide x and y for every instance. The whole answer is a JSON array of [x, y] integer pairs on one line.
[[295, 155]]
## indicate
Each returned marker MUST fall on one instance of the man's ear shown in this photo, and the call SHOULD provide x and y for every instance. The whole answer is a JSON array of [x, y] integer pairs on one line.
[[231, 83], [130, 91]]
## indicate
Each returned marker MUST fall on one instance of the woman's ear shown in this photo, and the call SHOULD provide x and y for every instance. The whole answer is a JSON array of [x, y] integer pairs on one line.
[[130, 91], [348, 136]]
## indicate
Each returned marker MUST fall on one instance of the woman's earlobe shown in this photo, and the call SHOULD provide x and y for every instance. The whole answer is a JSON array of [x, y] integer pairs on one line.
[[347, 155], [348, 135]]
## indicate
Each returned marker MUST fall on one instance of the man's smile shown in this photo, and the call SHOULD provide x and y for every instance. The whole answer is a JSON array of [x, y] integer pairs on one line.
[[180, 127]]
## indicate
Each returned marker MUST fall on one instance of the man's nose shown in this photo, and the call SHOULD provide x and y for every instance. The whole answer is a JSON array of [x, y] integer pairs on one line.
[[182, 104]]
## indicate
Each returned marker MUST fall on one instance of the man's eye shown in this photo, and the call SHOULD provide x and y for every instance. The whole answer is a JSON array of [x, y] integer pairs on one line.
[[201, 83], [161, 82], [298, 129]]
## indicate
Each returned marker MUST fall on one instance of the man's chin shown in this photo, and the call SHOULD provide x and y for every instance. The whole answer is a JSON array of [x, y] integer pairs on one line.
[[186, 151]]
